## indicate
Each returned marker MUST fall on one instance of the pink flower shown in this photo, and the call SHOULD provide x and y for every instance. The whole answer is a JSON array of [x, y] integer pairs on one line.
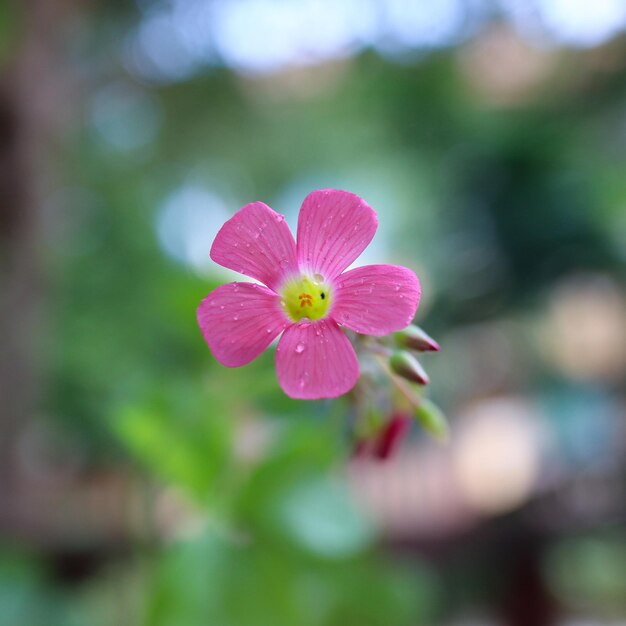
[[308, 297]]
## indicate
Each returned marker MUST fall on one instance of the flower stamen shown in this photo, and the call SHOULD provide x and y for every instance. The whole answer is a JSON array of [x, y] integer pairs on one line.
[[306, 297]]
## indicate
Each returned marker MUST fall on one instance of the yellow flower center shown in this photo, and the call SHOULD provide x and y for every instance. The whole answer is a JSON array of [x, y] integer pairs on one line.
[[306, 296]]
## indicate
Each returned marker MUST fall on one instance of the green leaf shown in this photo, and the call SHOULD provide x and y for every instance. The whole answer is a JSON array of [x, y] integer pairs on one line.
[[182, 434]]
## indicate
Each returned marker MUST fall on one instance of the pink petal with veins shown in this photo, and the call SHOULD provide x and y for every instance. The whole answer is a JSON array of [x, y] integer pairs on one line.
[[257, 242], [334, 227], [376, 299], [239, 320], [316, 360]]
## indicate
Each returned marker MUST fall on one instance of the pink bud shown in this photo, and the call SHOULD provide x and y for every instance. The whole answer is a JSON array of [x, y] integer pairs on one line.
[[406, 365], [392, 435], [414, 338]]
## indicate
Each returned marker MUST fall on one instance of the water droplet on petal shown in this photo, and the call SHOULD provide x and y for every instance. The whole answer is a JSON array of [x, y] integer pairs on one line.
[[300, 348], [235, 318]]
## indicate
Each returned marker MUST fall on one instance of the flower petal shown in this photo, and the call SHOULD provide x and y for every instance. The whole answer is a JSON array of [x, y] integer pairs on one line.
[[256, 241], [334, 227], [239, 320], [376, 299], [316, 360]]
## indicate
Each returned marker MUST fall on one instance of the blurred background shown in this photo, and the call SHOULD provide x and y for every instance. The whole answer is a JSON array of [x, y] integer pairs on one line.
[[143, 484]]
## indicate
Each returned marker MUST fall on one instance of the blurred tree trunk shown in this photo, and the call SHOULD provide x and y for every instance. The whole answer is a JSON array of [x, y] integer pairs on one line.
[[30, 90]]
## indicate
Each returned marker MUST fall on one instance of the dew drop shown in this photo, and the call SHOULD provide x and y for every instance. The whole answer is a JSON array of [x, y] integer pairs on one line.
[[299, 348], [235, 318], [396, 288]]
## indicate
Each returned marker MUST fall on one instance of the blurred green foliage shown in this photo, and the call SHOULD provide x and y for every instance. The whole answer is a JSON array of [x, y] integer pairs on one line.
[[264, 582], [588, 571], [490, 203]]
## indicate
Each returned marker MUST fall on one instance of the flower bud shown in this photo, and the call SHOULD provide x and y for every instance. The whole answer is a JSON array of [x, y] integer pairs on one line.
[[392, 435], [432, 419], [414, 338], [406, 365]]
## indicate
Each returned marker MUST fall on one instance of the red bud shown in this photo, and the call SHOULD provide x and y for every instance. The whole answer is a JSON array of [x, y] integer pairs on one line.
[[392, 435]]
